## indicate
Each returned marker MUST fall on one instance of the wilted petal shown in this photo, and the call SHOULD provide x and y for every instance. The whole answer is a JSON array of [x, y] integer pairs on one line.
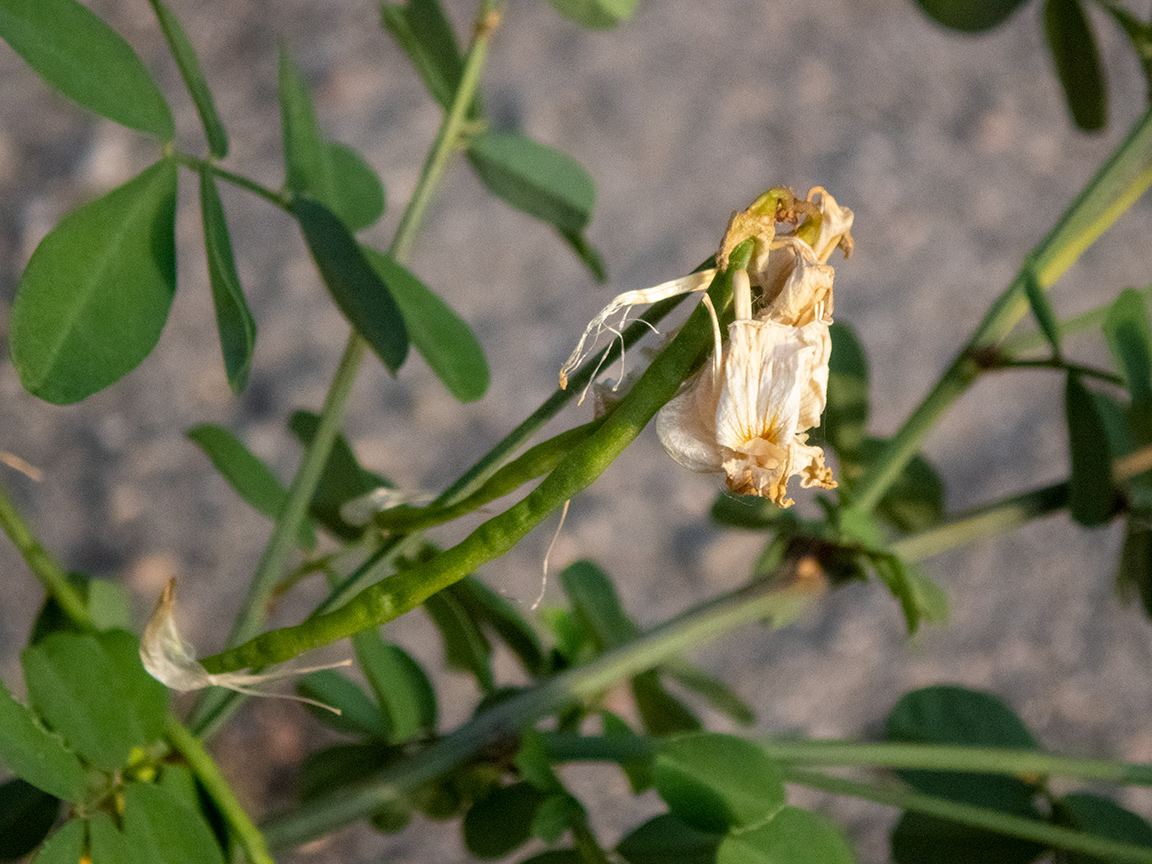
[[686, 426], [835, 225]]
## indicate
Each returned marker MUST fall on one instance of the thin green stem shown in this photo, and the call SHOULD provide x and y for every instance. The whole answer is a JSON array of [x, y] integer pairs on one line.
[[207, 772], [754, 602], [977, 817], [947, 757], [1120, 181], [407, 589], [278, 199], [42, 564], [1062, 365], [1021, 343]]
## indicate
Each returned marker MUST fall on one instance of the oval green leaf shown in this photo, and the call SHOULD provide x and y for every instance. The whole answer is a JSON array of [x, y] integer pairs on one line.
[[356, 194], [945, 714], [660, 711], [358, 715], [1091, 498], [96, 293], [466, 648], [189, 65], [969, 16], [595, 14], [424, 33], [667, 840], [1041, 308], [26, 816], [87, 61], [535, 178], [794, 836], [1077, 60], [305, 153], [65, 846], [1093, 814], [712, 690], [107, 845], [234, 320], [595, 602], [716, 782], [250, 478], [93, 690], [36, 755], [163, 830], [357, 289], [487, 607], [1130, 340], [500, 823], [441, 336], [402, 688]]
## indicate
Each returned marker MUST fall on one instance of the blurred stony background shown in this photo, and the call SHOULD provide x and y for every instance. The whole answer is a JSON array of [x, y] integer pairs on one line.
[[956, 155]]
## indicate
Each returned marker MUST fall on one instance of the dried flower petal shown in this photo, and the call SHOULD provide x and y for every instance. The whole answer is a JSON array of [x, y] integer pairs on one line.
[[172, 661]]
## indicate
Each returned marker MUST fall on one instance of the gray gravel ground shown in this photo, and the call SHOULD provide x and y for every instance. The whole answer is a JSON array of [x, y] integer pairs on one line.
[[956, 155]]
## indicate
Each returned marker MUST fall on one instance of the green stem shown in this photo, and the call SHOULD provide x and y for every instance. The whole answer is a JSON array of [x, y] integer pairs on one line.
[[1022, 343], [976, 817], [1056, 363], [947, 757], [42, 565], [207, 772], [407, 589], [1119, 182], [699, 625], [278, 199]]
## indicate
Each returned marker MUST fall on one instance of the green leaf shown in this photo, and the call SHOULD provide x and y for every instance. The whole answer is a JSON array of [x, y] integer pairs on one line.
[[714, 691], [920, 598], [358, 291], [667, 840], [1041, 308], [953, 715], [342, 479], [107, 845], [1077, 61], [716, 782], [402, 689], [500, 823], [36, 755], [233, 318], [356, 194], [533, 764], [392, 818], [794, 836], [306, 166], [532, 177], [490, 609], [358, 715], [915, 501], [87, 61], [638, 771], [26, 817], [424, 33], [93, 690], [65, 846], [441, 336], [970, 16], [250, 478], [596, 604], [189, 65], [660, 711], [920, 839], [587, 254], [555, 815], [108, 605], [163, 830], [1130, 340], [324, 771], [595, 14], [1102, 817], [1134, 575], [845, 420], [96, 293], [465, 646], [1092, 496]]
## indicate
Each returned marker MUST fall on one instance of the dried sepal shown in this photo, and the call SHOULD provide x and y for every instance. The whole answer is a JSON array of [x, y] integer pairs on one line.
[[171, 660]]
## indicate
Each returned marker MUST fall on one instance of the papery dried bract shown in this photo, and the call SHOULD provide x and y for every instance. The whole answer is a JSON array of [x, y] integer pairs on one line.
[[171, 660]]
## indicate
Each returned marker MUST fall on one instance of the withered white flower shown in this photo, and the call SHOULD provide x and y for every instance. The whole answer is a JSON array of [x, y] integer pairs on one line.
[[172, 661], [748, 413]]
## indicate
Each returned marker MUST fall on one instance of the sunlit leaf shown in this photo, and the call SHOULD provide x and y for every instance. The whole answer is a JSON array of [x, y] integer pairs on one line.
[[93, 690], [1077, 61], [65, 846], [234, 320], [189, 66], [441, 336], [107, 845], [165, 830], [87, 61], [358, 290], [595, 14], [96, 293], [716, 782], [794, 836]]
